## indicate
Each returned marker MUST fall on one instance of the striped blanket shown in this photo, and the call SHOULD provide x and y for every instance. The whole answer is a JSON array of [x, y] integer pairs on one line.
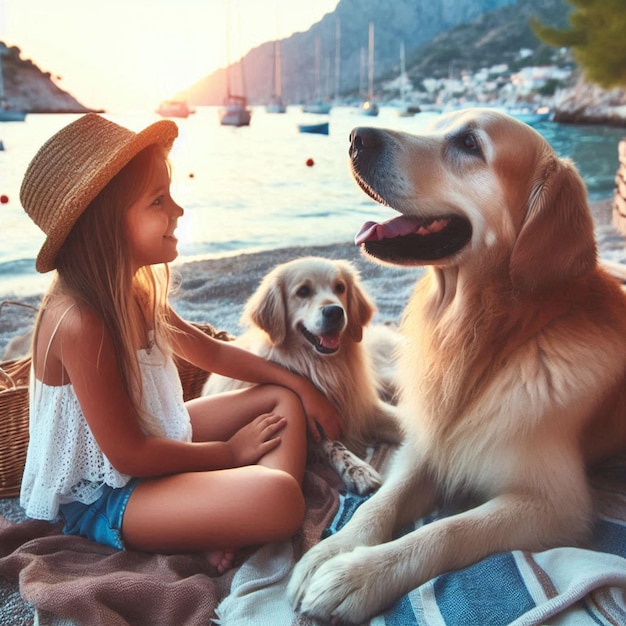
[[80, 582], [559, 587]]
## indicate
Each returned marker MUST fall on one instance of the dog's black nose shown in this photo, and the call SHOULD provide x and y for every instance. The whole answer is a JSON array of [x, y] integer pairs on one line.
[[363, 139], [333, 313]]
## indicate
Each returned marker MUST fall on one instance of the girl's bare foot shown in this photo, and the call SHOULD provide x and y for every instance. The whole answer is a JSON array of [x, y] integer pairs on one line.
[[222, 560]]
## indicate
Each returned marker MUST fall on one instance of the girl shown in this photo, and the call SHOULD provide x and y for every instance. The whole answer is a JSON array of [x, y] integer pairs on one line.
[[113, 449]]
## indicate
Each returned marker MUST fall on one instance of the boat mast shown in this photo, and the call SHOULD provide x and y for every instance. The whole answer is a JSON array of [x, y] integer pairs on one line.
[[337, 58], [277, 71], [362, 72], [277, 77], [403, 84], [370, 91], [228, 26], [2, 99], [318, 69]]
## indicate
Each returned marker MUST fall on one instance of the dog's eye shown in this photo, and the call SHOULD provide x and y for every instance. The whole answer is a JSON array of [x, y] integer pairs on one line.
[[470, 142], [340, 288], [304, 291]]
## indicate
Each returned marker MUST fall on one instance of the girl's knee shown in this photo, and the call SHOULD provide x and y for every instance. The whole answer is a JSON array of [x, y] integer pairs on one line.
[[288, 403], [283, 497], [288, 397]]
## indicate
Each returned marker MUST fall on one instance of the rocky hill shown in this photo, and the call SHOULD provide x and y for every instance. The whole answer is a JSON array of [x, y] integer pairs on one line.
[[493, 38], [27, 88], [307, 76]]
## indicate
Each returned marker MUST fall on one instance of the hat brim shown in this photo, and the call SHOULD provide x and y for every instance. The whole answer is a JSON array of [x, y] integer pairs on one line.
[[162, 133]]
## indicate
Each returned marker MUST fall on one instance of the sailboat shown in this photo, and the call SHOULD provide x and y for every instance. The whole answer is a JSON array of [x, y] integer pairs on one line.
[[234, 111], [276, 104], [369, 107], [7, 114], [318, 105], [406, 109]]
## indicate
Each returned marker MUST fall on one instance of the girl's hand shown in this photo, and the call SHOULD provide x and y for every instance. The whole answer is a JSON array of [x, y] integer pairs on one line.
[[320, 412], [256, 439]]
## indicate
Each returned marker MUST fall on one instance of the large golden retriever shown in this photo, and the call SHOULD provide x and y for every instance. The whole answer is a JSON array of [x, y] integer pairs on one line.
[[514, 373], [310, 315]]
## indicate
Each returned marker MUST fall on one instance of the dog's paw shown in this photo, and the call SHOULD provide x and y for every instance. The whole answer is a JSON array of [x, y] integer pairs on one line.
[[361, 478], [357, 475], [346, 589], [307, 566]]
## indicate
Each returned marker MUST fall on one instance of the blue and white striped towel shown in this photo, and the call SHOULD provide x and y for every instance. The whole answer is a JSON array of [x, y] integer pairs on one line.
[[559, 587]]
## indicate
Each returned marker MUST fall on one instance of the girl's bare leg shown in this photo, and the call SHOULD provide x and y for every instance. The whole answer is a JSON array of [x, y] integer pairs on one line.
[[221, 511], [217, 418], [224, 510]]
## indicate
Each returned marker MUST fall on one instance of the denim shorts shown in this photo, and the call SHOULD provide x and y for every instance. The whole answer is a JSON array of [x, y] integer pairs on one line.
[[100, 521]]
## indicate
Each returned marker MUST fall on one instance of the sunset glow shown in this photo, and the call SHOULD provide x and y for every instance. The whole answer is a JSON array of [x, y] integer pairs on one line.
[[125, 54]]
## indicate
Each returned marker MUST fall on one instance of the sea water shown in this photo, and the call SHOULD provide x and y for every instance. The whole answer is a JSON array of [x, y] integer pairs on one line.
[[260, 187]]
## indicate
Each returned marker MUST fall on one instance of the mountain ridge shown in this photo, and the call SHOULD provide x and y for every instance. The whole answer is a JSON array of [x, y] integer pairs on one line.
[[415, 21], [428, 28]]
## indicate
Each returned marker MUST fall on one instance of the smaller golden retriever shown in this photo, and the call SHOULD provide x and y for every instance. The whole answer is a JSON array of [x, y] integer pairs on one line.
[[311, 315], [512, 372]]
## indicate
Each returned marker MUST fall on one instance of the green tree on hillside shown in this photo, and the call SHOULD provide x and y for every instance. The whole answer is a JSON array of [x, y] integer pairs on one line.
[[596, 38]]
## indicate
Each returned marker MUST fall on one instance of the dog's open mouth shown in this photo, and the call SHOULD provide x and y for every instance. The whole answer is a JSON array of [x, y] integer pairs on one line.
[[327, 343], [407, 240]]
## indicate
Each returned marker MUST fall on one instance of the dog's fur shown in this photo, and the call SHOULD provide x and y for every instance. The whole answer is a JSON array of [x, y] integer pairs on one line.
[[514, 372], [310, 315]]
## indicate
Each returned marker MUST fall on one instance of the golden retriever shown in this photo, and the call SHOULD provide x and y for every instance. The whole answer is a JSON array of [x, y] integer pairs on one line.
[[513, 376], [310, 315]]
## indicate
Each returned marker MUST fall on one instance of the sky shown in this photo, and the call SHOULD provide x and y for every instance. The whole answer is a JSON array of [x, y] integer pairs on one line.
[[131, 54]]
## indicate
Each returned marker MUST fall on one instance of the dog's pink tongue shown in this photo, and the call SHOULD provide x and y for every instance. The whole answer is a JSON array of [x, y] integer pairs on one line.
[[394, 227], [330, 341]]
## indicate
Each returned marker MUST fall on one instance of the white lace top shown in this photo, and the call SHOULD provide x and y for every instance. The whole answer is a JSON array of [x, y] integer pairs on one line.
[[64, 463]]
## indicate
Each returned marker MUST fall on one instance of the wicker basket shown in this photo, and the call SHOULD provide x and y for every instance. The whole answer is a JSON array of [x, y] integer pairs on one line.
[[13, 424], [191, 377], [14, 410]]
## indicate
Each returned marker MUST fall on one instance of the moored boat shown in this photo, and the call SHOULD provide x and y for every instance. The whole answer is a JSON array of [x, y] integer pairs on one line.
[[319, 128], [10, 115], [318, 107], [174, 108], [531, 116], [235, 111], [276, 104], [369, 107]]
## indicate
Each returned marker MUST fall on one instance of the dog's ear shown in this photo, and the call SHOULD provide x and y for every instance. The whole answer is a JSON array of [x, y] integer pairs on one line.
[[360, 306], [266, 309], [556, 241]]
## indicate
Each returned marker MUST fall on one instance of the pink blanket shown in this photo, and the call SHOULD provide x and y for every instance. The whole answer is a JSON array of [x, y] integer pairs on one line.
[[79, 580]]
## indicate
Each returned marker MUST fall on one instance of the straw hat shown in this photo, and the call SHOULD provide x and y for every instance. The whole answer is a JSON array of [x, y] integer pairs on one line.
[[73, 167]]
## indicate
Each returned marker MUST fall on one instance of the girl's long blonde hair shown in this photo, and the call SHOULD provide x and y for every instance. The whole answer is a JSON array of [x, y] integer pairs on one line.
[[94, 265]]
